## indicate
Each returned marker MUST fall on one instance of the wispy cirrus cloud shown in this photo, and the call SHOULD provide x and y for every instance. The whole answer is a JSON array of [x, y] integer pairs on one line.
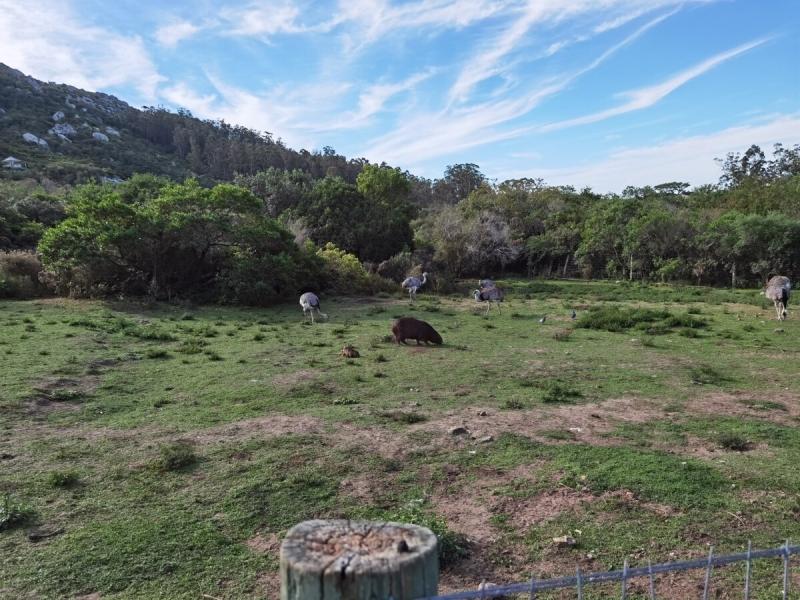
[[292, 112], [648, 96], [536, 16], [373, 99], [48, 40], [460, 127], [171, 34]]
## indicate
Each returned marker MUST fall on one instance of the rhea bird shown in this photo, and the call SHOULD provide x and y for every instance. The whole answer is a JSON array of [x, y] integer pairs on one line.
[[778, 290], [492, 295], [309, 302], [486, 283], [412, 284]]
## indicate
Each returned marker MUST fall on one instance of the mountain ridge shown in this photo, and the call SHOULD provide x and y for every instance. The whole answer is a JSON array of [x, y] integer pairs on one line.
[[70, 135]]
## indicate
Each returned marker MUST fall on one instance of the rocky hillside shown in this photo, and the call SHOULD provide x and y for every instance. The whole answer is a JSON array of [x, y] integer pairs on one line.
[[68, 135]]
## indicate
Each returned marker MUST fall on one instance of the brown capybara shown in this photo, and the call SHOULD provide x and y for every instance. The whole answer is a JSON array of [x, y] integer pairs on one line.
[[409, 328]]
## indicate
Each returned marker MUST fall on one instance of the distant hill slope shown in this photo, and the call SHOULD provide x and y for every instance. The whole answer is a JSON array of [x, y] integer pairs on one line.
[[69, 135]]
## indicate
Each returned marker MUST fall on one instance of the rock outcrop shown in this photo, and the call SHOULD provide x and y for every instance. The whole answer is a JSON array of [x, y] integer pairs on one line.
[[112, 131], [100, 137], [62, 130], [58, 116], [34, 139]]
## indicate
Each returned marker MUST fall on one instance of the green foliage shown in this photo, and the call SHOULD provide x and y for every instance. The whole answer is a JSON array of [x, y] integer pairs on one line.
[[652, 321], [554, 392], [14, 513], [175, 457], [62, 479], [147, 236], [733, 441], [372, 224], [344, 273], [19, 275]]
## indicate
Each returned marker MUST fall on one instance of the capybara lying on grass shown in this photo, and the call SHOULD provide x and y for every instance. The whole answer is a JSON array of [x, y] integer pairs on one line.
[[409, 328]]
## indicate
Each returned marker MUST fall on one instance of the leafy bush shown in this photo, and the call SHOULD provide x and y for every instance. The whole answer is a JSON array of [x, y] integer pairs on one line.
[[555, 391], [175, 457], [344, 274], [149, 236], [396, 267], [19, 275], [62, 479], [13, 513], [733, 441]]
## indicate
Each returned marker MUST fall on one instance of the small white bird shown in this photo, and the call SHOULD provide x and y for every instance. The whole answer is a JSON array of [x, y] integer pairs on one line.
[[543, 319], [310, 303]]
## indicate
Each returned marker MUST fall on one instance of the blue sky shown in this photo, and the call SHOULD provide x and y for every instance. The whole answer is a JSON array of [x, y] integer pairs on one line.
[[603, 93]]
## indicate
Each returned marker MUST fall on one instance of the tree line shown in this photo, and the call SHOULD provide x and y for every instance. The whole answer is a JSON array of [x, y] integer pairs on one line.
[[277, 231]]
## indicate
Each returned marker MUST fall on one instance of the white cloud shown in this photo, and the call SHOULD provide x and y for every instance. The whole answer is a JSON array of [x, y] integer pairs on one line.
[[171, 34], [263, 19], [362, 21], [462, 127], [46, 40], [648, 96], [372, 100], [538, 15], [293, 113], [689, 159]]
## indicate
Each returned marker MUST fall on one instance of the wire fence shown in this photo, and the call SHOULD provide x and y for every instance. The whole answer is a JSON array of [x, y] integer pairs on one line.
[[580, 581]]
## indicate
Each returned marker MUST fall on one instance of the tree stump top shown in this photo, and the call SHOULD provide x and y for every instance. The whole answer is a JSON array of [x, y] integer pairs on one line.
[[347, 558]]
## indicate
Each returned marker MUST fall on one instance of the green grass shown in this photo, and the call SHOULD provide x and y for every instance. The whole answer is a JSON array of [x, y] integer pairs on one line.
[[161, 441]]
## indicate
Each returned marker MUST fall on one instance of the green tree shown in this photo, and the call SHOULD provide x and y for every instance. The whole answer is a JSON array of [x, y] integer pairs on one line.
[[148, 236]]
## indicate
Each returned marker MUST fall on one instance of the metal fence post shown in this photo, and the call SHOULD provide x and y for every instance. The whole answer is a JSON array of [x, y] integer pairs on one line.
[[786, 571], [652, 581], [747, 572], [624, 580], [579, 583], [708, 573]]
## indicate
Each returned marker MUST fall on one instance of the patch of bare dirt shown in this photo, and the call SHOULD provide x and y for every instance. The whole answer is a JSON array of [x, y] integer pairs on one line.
[[748, 404], [587, 423], [268, 585], [544, 507], [60, 393], [264, 544], [288, 380], [261, 427]]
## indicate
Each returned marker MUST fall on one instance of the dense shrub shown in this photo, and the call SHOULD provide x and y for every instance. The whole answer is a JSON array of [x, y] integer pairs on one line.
[[344, 274], [397, 267], [149, 236], [19, 275]]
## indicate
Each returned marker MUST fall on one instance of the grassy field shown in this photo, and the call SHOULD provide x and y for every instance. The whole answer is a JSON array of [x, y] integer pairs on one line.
[[161, 452]]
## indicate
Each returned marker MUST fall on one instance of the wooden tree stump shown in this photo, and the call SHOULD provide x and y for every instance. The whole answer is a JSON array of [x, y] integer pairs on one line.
[[358, 560]]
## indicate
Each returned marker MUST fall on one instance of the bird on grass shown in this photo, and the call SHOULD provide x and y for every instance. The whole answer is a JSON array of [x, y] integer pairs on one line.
[[574, 314], [309, 302], [543, 319], [412, 284], [489, 295]]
